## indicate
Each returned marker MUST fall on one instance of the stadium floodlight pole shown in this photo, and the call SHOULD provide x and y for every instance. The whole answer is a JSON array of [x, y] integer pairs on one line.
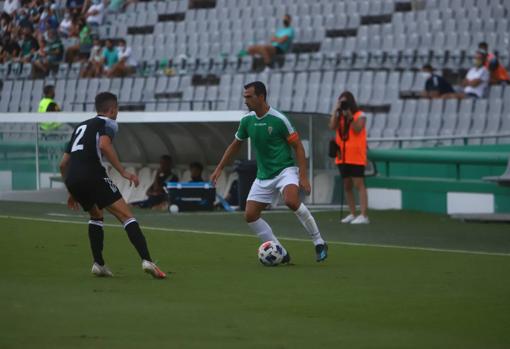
[[37, 173]]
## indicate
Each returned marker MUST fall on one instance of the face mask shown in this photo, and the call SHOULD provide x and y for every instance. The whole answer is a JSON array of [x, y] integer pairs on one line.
[[286, 23]]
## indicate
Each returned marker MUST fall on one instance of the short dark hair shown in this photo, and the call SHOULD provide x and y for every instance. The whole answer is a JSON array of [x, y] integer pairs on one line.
[[427, 67], [122, 41], [197, 165], [48, 89], [483, 45], [104, 101], [259, 87], [167, 158]]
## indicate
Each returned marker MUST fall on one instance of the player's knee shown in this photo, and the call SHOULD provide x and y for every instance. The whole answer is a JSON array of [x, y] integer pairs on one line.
[[251, 216], [292, 203]]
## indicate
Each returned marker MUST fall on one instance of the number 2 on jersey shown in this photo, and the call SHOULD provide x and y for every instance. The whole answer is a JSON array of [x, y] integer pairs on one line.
[[80, 131]]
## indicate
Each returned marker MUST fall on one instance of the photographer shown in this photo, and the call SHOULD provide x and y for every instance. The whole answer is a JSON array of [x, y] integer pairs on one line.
[[351, 154]]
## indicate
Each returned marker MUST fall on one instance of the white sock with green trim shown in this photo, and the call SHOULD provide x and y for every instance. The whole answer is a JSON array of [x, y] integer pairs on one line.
[[306, 218], [264, 232]]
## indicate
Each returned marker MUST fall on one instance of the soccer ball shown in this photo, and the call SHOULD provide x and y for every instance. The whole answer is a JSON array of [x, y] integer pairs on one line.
[[270, 253]]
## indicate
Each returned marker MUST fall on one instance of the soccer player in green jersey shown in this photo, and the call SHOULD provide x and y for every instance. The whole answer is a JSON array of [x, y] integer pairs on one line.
[[273, 138]]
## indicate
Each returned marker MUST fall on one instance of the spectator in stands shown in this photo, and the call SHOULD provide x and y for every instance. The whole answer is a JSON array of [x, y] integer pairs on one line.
[[9, 49], [29, 46], [349, 121], [116, 6], [48, 20], [75, 6], [64, 28], [477, 78], [11, 6], [110, 56], [196, 169], [126, 64], [497, 71], [78, 32], [95, 14], [156, 194], [94, 67], [280, 43], [435, 85], [50, 55]]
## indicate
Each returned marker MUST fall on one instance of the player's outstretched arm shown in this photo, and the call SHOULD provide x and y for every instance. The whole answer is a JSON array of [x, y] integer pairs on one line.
[[301, 161], [105, 144], [231, 150]]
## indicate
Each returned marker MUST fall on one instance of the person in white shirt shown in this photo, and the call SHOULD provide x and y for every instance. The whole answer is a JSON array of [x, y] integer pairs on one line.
[[65, 25], [95, 13], [477, 78], [127, 63], [11, 6]]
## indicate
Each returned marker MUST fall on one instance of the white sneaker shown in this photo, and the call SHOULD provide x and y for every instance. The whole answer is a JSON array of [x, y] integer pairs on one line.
[[348, 219], [360, 220], [152, 268], [101, 270]]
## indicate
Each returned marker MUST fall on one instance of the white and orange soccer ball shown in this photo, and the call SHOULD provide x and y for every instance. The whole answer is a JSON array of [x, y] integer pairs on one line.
[[270, 253]]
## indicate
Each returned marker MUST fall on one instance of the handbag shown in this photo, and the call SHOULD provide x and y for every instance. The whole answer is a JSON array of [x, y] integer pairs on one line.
[[333, 149]]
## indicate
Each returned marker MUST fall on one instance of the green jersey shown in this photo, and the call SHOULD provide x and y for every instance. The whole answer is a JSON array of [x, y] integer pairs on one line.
[[270, 136]]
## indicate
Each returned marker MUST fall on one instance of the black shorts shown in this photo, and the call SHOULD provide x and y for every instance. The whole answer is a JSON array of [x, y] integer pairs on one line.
[[279, 51], [95, 191], [348, 170]]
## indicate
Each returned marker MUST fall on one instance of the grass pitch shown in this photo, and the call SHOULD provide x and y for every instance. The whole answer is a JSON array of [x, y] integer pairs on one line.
[[218, 295]]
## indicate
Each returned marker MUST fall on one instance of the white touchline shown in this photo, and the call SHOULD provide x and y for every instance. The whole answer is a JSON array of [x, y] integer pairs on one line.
[[205, 232]]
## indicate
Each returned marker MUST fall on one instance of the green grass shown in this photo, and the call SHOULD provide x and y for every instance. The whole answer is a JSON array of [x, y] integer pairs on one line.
[[219, 296]]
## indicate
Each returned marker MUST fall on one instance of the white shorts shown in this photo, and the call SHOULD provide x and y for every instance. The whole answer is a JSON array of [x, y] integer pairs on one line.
[[265, 190]]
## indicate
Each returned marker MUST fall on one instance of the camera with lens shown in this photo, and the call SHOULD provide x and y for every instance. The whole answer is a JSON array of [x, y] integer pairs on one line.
[[345, 105]]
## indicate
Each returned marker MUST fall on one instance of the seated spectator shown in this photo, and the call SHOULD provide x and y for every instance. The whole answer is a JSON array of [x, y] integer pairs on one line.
[[156, 194], [477, 78], [75, 6], [9, 49], [117, 6], [95, 14], [48, 20], [94, 67], [49, 57], [496, 69], [280, 43], [29, 46], [110, 56], [11, 6], [64, 28], [126, 64], [78, 39], [435, 85], [196, 169]]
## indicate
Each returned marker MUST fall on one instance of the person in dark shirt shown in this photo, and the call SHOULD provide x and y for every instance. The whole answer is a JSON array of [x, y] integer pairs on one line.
[[435, 86], [89, 185], [196, 169], [29, 45], [156, 194]]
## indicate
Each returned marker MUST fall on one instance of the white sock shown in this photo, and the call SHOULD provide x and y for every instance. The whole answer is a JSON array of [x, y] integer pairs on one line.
[[264, 232], [306, 218]]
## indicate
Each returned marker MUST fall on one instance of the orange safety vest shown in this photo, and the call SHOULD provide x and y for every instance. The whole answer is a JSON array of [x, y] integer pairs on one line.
[[500, 73], [354, 149]]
